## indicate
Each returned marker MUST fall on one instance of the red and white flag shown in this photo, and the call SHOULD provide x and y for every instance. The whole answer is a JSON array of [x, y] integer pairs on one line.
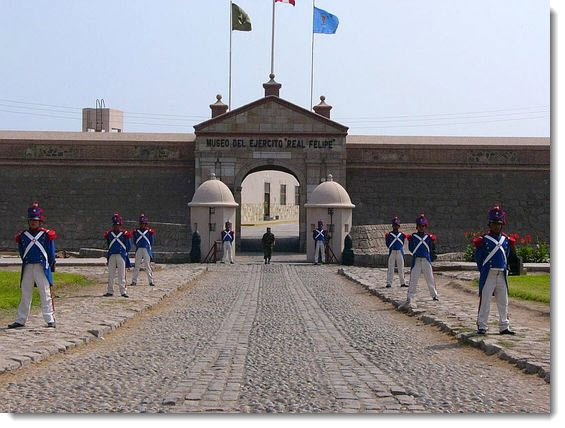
[[285, 1]]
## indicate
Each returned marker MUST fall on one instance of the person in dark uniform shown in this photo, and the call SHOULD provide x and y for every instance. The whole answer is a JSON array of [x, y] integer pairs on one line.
[[492, 253], [268, 242], [37, 250]]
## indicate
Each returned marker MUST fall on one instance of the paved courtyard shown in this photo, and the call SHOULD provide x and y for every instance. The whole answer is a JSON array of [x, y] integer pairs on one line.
[[249, 337]]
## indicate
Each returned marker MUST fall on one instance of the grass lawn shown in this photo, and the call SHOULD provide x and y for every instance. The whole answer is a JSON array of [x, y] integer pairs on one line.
[[529, 287], [10, 287]]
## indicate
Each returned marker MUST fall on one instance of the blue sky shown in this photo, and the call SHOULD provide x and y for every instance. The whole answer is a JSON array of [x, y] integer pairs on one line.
[[394, 67]]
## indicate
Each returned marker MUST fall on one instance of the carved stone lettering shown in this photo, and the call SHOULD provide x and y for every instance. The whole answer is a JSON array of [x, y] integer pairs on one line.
[[149, 152], [492, 157], [50, 152]]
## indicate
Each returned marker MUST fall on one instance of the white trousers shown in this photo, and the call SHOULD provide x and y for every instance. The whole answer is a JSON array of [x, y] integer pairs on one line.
[[495, 283], [422, 266], [116, 262], [142, 258], [320, 249], [227, 249], [33, 273], [395, 258]]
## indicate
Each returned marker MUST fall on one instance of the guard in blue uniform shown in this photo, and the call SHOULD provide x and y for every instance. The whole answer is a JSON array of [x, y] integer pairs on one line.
[[143, 239], [118, 241], [395, 242], [37, 250], [492, 252], [320, 236], [422, 246], [228, 237]]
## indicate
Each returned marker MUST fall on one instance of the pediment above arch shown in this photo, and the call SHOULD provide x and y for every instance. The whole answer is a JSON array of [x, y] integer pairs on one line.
[[270, 115]]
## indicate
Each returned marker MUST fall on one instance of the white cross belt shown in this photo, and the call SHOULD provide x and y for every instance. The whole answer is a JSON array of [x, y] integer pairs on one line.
[[34, 240], [496, 248], [420, 243], [396, 238], [144, 236], [116, 239]]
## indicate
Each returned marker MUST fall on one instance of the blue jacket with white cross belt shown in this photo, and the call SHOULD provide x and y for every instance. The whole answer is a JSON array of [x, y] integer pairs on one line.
[[38, 246], [426, 249], [144, 238], [228, 235], [492, 251], [118, 243], [397, 241]]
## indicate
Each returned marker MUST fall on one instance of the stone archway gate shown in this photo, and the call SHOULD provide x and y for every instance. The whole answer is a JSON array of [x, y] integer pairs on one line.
[[271, 133]]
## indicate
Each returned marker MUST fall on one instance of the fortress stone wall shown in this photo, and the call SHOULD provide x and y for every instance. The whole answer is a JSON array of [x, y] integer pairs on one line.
[[82, 178], [453, 180]]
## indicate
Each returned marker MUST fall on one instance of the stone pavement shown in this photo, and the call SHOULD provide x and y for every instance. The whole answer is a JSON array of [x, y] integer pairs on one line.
[[249, 337], [456, 314], [83, 318]]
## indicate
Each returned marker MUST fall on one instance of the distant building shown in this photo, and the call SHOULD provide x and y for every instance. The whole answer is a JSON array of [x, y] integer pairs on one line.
[[102, 120], [269, 195]]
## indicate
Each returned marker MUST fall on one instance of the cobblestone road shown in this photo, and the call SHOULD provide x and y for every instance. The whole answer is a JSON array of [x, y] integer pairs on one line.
[[273, 338]]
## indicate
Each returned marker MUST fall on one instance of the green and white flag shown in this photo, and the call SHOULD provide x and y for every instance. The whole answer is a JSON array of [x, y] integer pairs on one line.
[[239, 19]]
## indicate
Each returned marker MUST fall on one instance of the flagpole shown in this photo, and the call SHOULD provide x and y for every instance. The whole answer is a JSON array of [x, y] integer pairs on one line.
[[229, 85], [312, 68], [273, 42]]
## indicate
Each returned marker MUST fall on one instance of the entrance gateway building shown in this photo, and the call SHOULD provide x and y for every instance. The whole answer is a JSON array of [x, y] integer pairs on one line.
[[271, 134]]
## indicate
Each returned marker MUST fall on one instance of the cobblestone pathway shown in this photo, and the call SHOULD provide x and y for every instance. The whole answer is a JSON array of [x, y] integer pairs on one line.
[[273, 338], [456, 313]]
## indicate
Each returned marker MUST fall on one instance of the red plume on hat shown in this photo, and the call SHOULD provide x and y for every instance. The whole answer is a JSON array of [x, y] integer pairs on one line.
[[497, 215], [117, 219], [422, 220], [35, 212], [395, 221]]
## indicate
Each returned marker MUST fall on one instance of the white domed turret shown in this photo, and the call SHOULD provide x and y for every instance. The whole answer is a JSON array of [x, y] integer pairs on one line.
[[213, 193], [330, 204], [329, 194], [211, 207]]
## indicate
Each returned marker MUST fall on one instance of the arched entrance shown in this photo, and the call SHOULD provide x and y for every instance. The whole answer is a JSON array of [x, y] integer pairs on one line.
[[272, 165]]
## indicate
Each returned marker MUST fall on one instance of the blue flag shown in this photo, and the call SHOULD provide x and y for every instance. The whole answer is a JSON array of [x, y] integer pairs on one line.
[[324, 22]]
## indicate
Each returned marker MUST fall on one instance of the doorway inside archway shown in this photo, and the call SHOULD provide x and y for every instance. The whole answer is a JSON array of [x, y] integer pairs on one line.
[[270, 198]]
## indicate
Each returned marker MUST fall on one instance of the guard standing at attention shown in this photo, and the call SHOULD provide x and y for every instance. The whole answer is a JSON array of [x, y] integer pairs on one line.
[[118, 241], [268, 242], [143, 239], [395, 243], [422, 246], [320, 236], [228, 237], [492, 253], [37, 250]]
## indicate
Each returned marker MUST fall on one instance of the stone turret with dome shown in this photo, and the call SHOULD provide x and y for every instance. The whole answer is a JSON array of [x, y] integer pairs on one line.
[[329, 194], [330, 203], [213, 193], [211, 207]]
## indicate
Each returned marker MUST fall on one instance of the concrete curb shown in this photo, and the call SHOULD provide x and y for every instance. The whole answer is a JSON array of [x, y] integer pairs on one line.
[[488, 346], [20, 347]]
